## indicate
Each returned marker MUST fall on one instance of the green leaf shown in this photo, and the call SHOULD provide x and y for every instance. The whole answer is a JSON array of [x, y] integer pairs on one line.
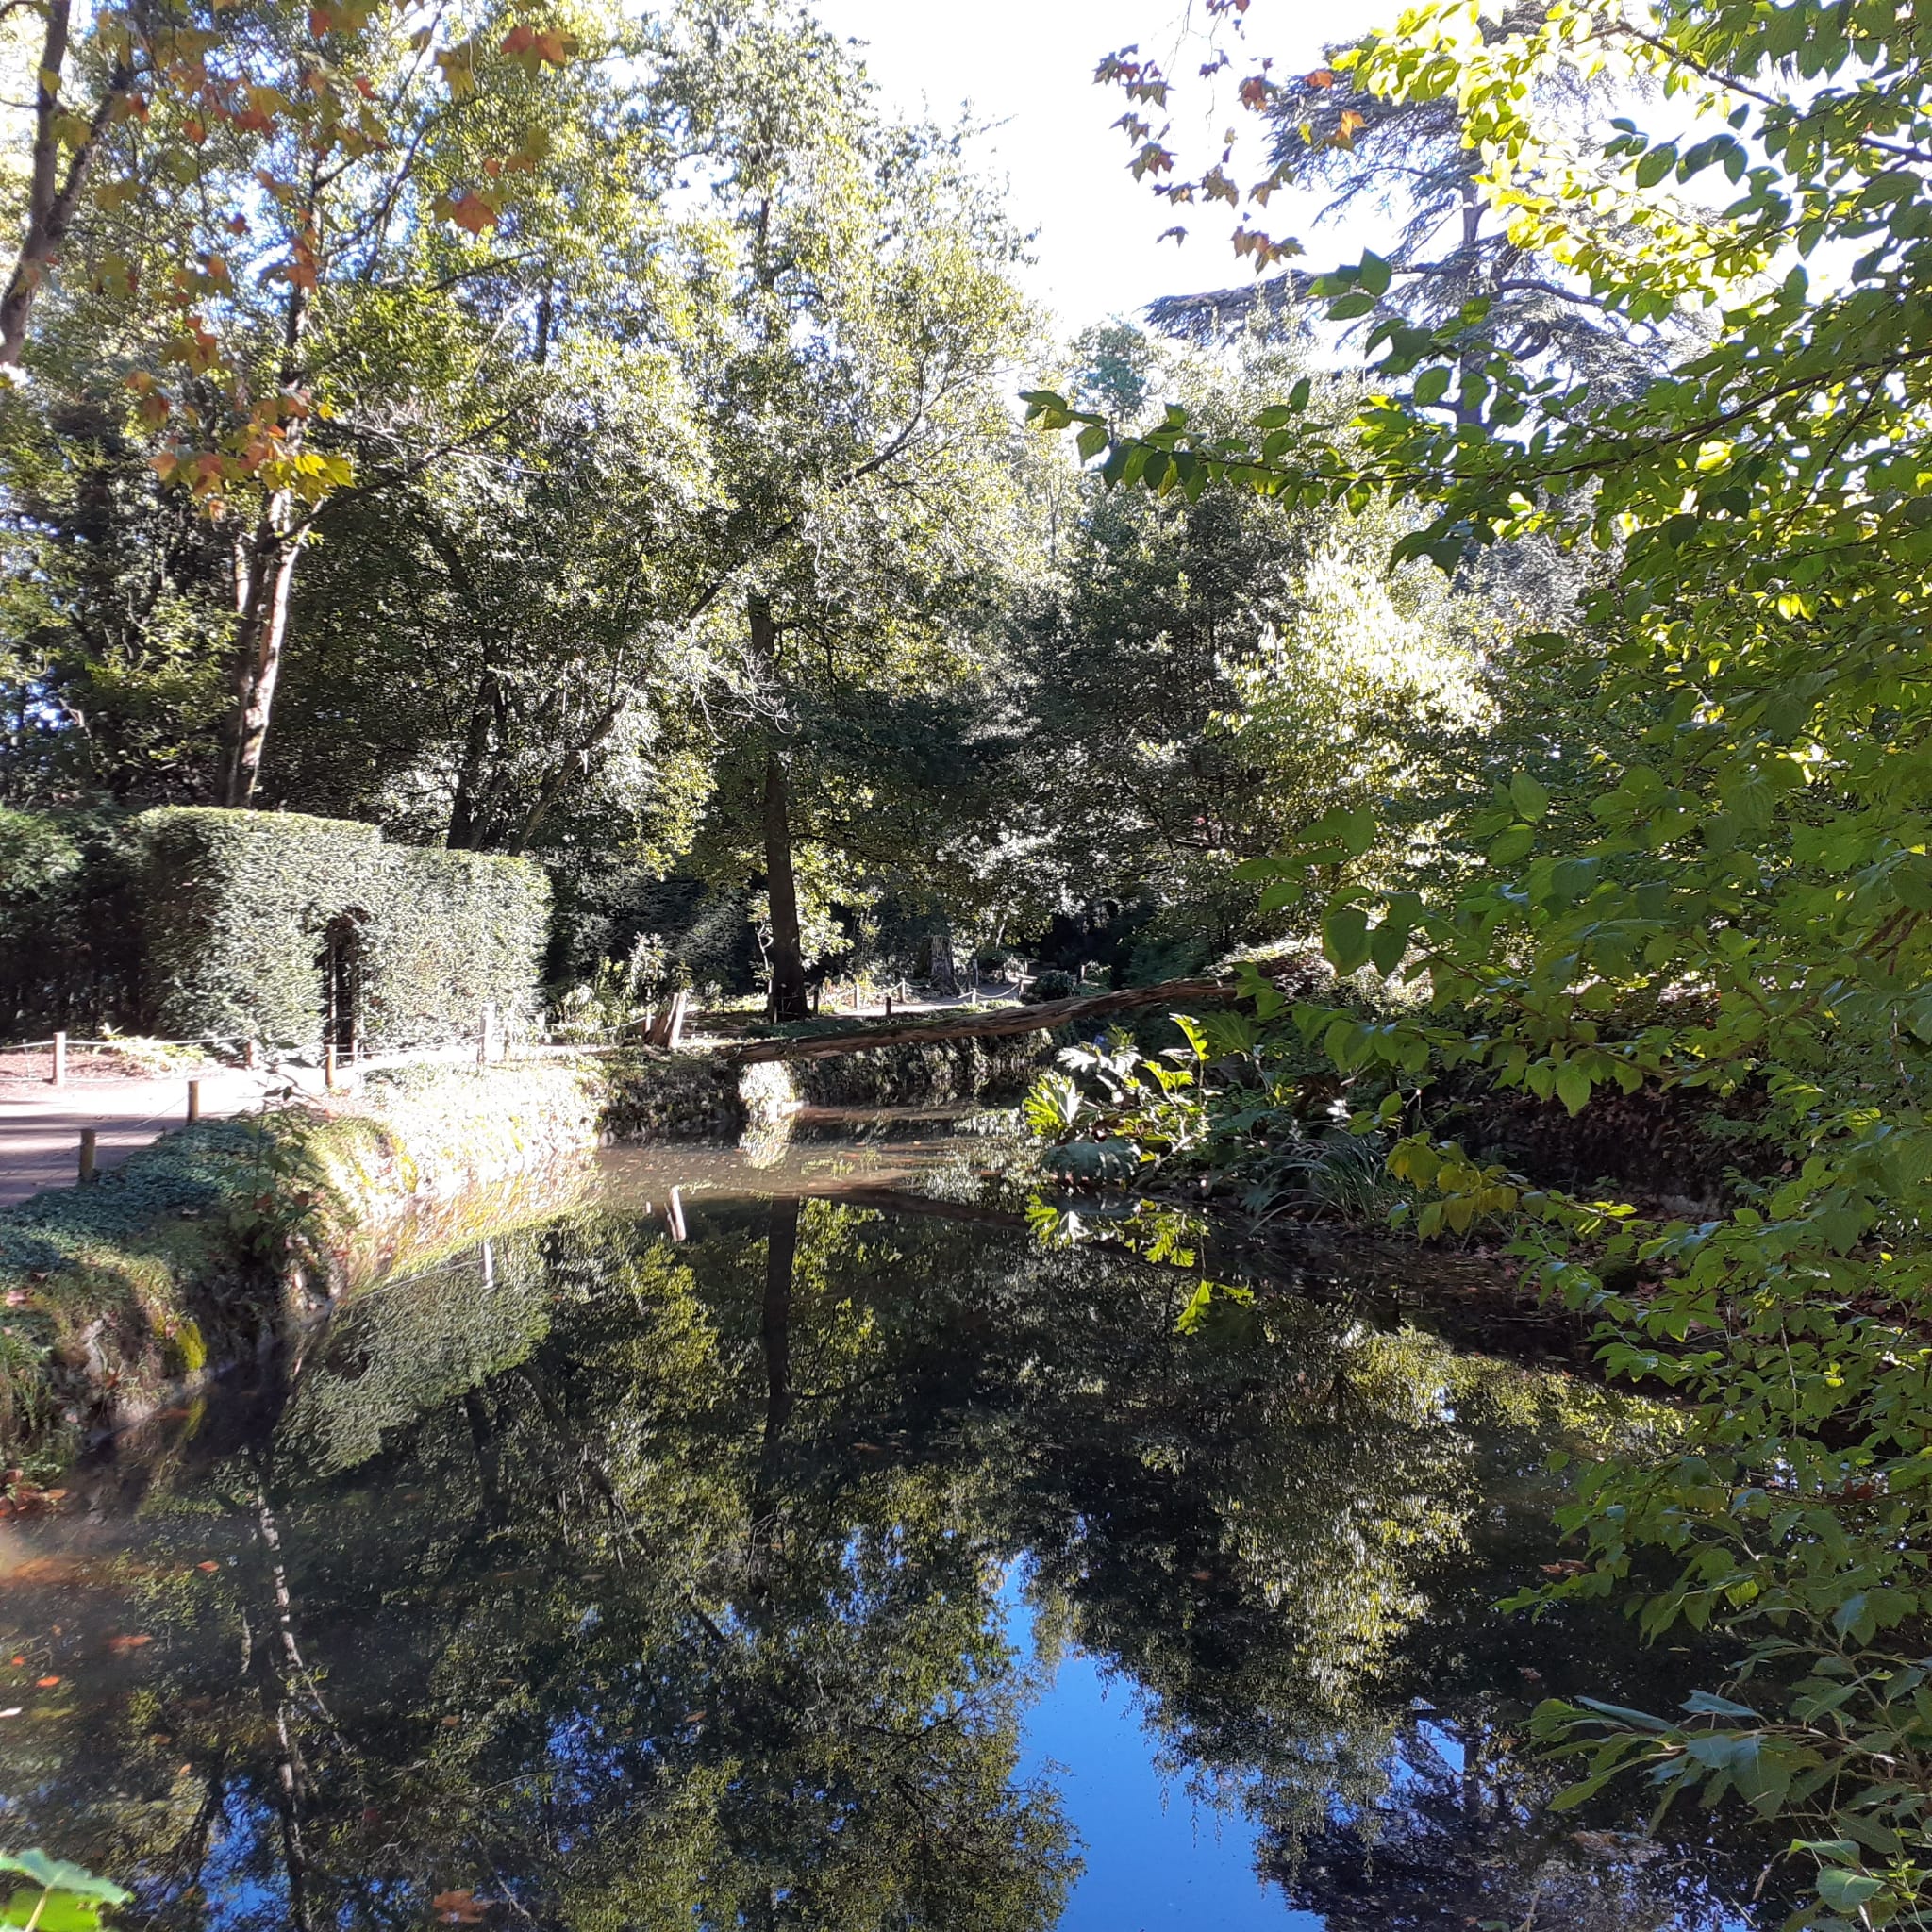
[[1845, 1892], [1431, 385], [50, 1874], [1529, 797], [1573, 1087], [1345, 937], [1387, 944], [1374, 275]]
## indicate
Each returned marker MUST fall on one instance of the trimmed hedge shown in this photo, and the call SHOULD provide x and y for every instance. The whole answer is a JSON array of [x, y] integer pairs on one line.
[[236, 907]]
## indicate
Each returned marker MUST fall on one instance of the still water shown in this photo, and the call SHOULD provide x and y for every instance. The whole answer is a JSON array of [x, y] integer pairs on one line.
[[835, 1563]]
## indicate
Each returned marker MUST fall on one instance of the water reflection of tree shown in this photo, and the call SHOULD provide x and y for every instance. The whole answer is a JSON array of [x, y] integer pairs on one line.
[[657, 1585]]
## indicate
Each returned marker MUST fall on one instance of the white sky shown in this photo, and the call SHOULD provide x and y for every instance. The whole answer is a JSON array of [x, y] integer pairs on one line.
[[1027, 66]]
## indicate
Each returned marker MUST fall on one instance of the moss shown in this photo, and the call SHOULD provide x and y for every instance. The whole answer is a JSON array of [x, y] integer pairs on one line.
[[219, 1236]]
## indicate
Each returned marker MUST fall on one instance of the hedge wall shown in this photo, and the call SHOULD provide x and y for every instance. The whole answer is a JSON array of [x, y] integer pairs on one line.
[[235, 907]]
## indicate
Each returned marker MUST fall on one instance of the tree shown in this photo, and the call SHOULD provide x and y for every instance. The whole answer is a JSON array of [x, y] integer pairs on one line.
[[1751, 835], [1453, 259], [1206, 675], [854, 382], [347, 138]]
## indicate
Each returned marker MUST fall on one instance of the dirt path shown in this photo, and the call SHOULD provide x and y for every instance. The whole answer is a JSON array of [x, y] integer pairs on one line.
[[41, 1124]]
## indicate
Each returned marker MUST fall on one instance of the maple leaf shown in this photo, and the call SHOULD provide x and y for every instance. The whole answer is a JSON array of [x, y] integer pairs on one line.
[[459, 1908], [471, 212], [1322, 76]]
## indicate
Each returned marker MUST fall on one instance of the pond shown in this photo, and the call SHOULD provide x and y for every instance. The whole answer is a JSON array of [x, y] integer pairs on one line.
[[841, 1559]]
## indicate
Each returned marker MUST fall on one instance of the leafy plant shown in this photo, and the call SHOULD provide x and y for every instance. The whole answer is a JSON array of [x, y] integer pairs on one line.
[[57, 1897], [1731, 838]]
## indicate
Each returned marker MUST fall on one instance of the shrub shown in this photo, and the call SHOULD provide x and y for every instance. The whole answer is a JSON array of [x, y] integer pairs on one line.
[[237, 908], [1054, 984]]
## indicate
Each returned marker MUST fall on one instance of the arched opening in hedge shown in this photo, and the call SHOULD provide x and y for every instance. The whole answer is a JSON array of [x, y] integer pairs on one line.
[[340, 962]]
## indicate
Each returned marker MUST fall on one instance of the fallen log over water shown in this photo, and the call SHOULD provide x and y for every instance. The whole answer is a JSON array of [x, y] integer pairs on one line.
[[1009, 1020]]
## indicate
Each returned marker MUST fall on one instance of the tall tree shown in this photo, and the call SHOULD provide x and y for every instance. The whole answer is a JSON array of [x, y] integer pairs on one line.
[[853, 381], [1411, 166]]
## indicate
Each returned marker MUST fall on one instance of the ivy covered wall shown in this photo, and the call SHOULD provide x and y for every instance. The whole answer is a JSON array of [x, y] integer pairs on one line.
[[236, 910]]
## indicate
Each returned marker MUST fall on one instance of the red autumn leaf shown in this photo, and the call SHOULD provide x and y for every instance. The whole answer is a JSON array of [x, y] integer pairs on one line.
[[1321, 77], [471, 212], [19, 1661], [459, 1908], [45, 1683], [210, 1566], [122, 1644]]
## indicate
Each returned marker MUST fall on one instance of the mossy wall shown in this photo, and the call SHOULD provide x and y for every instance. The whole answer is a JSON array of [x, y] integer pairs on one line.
[[219, 1236], [236, 907]]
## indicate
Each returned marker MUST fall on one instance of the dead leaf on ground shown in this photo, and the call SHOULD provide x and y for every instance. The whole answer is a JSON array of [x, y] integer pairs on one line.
[[45, 1683], [127, 1644]]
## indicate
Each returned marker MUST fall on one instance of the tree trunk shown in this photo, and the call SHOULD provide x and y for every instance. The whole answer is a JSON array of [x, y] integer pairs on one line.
[[789, 998], [775, 1331], [1469, 408], [51, 203], [775, 1316], [940, 970], [1293, 969], [464, 811], [265, 576]]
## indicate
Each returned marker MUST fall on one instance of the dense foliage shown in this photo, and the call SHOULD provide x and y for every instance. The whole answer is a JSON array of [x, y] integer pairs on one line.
[[1723, 893]]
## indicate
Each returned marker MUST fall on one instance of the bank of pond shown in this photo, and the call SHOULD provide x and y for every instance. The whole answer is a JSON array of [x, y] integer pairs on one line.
[[827, 1546]]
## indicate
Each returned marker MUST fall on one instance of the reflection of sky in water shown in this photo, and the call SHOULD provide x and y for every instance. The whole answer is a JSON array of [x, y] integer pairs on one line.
[[1157, 1859]]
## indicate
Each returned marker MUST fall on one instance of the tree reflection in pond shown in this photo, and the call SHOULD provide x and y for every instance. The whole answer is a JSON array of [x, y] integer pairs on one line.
[[601, 1580]]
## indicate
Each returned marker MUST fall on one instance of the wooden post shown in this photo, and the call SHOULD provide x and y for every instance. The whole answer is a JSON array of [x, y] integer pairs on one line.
[[194, 1101], [87, 1154], [251, 1055], [59, 1059], [486, 1029], [888, 1006], [674, 1019], [673, 1214], [328, 1066]]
